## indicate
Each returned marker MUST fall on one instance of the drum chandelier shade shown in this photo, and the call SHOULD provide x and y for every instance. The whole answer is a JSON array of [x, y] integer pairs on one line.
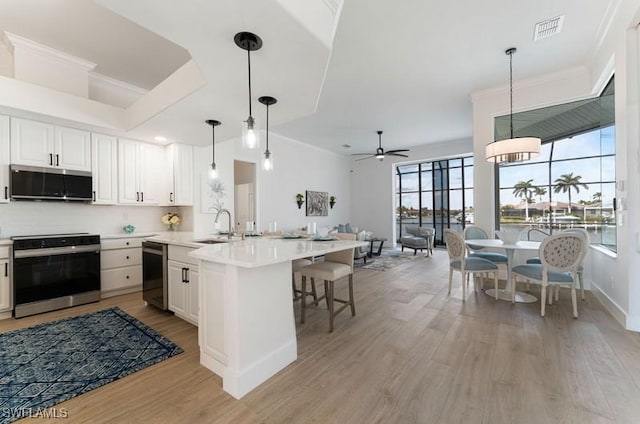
[[267, 162], [516, 149], [249, 42], [213, 171]]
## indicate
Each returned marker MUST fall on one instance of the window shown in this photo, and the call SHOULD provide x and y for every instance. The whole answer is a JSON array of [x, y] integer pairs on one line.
[[436, 194], [572, 182]]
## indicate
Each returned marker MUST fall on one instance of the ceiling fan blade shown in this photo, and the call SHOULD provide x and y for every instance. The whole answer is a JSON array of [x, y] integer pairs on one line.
[[369, 157], [397, 150], [396, 154], [361, 154]]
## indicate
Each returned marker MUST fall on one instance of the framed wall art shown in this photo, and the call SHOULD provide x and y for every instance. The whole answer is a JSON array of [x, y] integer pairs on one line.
[[317, 203]]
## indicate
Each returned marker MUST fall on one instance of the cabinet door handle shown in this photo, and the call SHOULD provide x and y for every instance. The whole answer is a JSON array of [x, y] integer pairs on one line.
[[127, 277], [170, 197], [94, 195], [6, 269], [51, 159], [187, 273], [57, 159], [127, 257], [142, 196], [137, 196], [6, 192], [127, 243], [184, 275]]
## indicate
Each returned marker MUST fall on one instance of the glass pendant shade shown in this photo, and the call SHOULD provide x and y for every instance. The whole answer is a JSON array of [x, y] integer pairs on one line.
[[250, 135], [213, 172], [267, 162]]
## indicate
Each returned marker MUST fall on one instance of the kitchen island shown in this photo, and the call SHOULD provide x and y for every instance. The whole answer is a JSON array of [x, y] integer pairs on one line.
[[246, 329]]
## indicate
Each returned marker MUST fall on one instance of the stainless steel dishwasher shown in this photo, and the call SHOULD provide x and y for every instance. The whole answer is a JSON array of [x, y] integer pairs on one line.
[[154, 274]]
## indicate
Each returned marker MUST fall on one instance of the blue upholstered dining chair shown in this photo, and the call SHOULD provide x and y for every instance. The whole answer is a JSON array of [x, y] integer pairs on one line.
[[474, 233], [560, 257], [458, 261], [584, 234]]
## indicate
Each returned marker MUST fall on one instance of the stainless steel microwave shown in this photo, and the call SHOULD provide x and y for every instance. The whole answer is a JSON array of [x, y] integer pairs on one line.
[[34, 183]]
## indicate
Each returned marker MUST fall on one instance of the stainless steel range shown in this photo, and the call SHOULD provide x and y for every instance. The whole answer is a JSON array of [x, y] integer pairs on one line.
[[54, 272]]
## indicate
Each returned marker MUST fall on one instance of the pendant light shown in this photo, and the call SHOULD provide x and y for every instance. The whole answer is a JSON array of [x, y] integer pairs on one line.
[[267, 162], [512, 149], [249, 42], [213, 171]]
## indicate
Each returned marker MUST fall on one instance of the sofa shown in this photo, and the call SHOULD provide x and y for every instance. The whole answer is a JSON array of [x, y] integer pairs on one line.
[[418, 238], [359, 252]]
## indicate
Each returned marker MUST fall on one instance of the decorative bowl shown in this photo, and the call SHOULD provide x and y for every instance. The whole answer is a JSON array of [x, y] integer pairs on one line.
[[508, 236], [129, 229]]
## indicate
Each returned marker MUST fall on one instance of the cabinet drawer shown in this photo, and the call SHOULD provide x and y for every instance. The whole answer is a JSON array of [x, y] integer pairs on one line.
[[122, 243], [120, 257], [4, 252], [181, 254], [119, 278]]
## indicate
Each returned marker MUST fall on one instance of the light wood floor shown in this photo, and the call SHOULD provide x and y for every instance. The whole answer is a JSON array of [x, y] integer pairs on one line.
[[411, 355]]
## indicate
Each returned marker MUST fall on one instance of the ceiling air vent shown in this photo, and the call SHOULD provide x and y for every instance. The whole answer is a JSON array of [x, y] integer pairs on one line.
[[548, 27]]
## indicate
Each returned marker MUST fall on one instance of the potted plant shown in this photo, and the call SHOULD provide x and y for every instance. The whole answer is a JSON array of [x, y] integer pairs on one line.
[[332, 201], [299, 200]]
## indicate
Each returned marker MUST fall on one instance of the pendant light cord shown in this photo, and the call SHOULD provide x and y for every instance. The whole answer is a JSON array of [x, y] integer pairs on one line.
[[267, 128], [213, 144], [249, 66], [511, 93]]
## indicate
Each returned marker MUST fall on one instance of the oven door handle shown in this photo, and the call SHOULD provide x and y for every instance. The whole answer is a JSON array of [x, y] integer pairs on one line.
[[34, 253]]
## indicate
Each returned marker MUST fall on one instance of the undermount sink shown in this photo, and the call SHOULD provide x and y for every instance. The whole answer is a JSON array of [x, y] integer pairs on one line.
[[210, 241]]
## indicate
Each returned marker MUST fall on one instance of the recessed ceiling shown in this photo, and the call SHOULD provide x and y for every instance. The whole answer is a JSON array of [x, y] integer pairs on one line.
[[405, 66], [121, 49]]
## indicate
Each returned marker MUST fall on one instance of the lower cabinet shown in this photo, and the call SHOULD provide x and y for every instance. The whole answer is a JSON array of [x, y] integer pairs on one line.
[[5, 280], [120, 266], [183, 284]]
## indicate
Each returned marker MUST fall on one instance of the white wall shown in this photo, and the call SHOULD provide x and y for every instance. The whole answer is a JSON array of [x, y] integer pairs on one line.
[[30, 218], [298, 167], [373, 185]]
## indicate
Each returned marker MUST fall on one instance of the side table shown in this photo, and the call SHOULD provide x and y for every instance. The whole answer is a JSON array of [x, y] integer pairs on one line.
[[372, 240]]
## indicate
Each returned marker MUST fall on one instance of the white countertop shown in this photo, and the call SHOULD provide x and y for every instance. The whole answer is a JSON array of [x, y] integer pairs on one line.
[[256, 252], [6, 242], [187, 238], [125, 235]]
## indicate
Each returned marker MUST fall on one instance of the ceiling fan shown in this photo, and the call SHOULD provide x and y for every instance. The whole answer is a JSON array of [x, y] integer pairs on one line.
[[380, 153]]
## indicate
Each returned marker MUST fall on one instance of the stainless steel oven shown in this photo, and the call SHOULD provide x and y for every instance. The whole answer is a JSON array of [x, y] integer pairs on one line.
[[154, 274], [54, 272]]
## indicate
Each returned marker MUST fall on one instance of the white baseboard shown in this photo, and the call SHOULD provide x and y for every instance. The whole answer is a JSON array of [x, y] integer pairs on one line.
[[610, 305]]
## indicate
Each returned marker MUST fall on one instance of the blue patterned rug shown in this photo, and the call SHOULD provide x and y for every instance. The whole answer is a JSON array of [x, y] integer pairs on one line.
[[44, 365]]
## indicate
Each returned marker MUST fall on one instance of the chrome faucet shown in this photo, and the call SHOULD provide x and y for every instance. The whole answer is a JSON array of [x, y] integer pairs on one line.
[[230, 232]]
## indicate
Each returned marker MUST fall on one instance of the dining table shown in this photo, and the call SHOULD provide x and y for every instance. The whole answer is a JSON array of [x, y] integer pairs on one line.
[[510, 248]]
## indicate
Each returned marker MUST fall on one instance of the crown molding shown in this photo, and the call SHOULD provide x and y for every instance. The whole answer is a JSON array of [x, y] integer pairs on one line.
[[103, 79], [14, 41]]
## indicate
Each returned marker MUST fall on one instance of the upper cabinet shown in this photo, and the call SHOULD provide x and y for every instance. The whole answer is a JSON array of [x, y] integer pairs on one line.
[[4, 159], [104, 169], [38, 144], [179, 177], [140, 172]]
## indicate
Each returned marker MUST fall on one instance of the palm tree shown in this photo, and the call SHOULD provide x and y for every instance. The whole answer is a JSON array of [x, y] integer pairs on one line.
[[540, 191], [568, 182], [524, 189], [597, 197]]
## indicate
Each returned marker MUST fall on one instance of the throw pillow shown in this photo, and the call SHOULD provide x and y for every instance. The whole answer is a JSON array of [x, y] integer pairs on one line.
[[348, 228], [342, 228]]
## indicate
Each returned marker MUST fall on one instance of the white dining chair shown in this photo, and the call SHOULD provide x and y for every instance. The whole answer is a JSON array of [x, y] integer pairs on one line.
[[471, 232], [458, 261], [560, 256]]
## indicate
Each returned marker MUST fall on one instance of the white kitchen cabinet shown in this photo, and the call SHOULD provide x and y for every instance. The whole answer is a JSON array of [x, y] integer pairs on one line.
[[5, 280], [183, 284], [120, 266], [140, 172], [36, 143], [179, 175], [104, 169], [4, 159]]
